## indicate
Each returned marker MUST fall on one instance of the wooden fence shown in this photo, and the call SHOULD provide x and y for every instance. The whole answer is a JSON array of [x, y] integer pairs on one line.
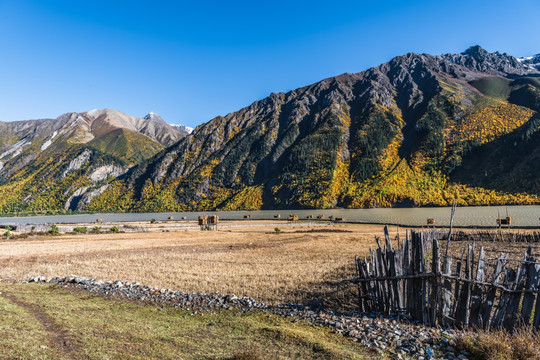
[[497, 235], [480, 292]]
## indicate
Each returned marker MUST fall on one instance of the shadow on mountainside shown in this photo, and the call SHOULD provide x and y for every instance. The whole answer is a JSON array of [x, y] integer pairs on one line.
[[509, 163]]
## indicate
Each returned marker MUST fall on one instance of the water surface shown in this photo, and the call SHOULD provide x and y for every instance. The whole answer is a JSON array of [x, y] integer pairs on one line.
[[465, 216]]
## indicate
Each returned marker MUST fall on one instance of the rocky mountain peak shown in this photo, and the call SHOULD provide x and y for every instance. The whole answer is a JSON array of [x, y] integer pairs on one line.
[[475, 51], [152, 116], [476, 58]]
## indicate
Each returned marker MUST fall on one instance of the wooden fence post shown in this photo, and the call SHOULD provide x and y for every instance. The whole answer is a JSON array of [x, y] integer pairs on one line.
[[533, 272], [435, 289], [492, 292], [476, 297]]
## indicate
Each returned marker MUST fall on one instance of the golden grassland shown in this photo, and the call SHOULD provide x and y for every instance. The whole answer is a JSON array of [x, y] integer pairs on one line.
[[296, 264]]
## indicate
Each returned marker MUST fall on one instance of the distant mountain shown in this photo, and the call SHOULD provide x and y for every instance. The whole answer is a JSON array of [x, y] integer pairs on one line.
[[419, 130], [182, 128], [533, 62], [39, 154]]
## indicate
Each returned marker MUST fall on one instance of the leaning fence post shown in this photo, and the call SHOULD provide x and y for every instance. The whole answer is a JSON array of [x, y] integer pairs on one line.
[[435, 269], [462, 313], [452, 213], [447, 292]]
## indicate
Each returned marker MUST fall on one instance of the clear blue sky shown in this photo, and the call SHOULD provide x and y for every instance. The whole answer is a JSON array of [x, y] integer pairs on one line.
[[190, 61]]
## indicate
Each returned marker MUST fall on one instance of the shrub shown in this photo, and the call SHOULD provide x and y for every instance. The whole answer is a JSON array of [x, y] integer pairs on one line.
[[54, 230], [96, 229], [7, 234], [153, 221], [277, 230], [80, 229], [114, 229]]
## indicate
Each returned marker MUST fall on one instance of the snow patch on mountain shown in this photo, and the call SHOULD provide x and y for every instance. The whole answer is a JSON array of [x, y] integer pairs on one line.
[[532, 62], [183, 128]]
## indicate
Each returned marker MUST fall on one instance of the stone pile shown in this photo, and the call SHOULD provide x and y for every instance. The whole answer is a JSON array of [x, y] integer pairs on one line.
[[389, 334]]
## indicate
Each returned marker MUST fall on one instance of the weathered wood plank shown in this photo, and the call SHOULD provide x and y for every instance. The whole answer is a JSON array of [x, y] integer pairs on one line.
[[512, 310], [383, 290], [435, 269], [457, 287], [476, 296], [536, 320], [447, 291], [419, 287], [462, 314], [509, 278], [492, 292], [533, 274]]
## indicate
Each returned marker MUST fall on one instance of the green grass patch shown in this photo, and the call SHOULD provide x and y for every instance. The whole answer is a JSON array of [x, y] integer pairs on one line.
[[99, 328], [496, 87]]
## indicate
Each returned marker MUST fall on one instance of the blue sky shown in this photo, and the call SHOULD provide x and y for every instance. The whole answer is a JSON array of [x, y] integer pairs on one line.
[[192, 61]]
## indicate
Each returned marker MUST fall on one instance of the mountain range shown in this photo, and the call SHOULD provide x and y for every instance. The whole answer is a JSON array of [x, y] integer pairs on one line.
[[419, 130], [46, 163]]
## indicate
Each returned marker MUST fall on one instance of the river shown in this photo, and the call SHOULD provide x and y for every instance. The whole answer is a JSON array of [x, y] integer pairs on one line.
[[526, 216]]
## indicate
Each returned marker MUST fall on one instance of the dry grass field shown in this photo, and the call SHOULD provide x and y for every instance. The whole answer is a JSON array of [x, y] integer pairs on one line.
[[296, 265]]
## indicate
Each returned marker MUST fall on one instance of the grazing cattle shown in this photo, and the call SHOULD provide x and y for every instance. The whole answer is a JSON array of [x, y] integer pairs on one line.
[[203, 220], [292, 218]]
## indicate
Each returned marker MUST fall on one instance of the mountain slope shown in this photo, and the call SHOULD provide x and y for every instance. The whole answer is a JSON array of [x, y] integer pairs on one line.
[[97, 146], [396, 134]]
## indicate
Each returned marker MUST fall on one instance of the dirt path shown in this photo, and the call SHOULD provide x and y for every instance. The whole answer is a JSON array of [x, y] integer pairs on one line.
[[59, 339]]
